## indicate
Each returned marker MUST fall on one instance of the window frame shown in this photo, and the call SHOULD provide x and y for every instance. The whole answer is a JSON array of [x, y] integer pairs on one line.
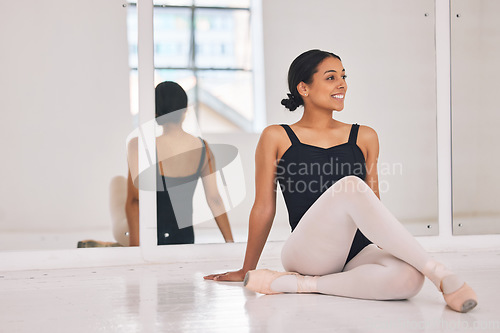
[[253, 125]]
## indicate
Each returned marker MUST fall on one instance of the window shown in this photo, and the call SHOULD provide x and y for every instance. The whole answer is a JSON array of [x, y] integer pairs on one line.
[[206, 47]]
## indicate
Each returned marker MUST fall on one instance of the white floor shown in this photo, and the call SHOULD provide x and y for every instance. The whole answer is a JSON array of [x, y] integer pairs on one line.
[[175, 298]]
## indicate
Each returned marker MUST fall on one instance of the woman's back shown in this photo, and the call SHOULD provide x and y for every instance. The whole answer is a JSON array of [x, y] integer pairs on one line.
[[181, 158], [179, 153]]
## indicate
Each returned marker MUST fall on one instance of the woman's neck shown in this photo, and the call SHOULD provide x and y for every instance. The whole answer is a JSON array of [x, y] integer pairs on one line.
[[315, 118], [173, 128]]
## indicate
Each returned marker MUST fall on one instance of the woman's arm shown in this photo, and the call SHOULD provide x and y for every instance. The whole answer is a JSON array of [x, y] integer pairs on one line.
[[132, 212], [224, 227], [132, 203], [264, 207], [213, 197], [368, 142]]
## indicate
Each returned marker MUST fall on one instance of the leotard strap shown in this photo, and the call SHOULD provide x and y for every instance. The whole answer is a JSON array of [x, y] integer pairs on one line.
[[353, 136], [291, 135]]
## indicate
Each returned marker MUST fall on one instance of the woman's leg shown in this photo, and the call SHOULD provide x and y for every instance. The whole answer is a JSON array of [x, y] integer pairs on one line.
[[322, 239], [373, 274], [328, 227]]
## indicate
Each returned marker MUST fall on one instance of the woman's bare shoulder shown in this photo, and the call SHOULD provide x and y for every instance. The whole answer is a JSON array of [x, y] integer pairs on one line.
[[366, 133], [273, 139], [273, 133], [368, 141], [132, 145], [273, 130], [133, 141]]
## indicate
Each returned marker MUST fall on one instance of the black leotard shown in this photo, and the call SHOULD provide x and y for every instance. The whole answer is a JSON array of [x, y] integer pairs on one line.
[[168, 231], [304, 172]]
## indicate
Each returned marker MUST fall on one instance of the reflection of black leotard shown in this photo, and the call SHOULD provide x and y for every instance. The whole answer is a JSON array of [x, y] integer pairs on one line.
[[168, 231], [305, 172]]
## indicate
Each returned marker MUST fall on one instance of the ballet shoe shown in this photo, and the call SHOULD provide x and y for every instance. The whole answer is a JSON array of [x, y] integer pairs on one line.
[[462, 300], [260, 280]]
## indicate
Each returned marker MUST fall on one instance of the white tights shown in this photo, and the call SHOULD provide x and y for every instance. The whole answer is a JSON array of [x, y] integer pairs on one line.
[[320, 243]]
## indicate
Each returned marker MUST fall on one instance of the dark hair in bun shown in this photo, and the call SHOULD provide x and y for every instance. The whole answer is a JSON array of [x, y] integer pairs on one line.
[[170, 97], [301, 70]]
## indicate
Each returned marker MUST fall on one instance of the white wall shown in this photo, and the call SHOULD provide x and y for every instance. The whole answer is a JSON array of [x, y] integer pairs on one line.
[[64, 112]]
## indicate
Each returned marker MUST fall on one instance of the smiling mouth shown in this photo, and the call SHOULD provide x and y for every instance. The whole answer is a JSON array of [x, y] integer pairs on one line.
[[338, 96]]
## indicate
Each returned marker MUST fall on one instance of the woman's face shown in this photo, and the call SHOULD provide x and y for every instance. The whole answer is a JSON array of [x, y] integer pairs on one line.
[[328, 87]]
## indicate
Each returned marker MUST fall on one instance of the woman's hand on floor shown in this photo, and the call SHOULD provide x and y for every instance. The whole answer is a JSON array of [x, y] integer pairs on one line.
[[234, 276]]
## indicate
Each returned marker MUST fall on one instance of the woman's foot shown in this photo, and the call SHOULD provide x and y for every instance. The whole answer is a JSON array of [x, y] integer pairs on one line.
[[457, 294], [269, 282], [260, 280], [463, 299]]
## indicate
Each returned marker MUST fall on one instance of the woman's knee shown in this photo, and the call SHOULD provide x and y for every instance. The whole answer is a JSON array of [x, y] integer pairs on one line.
[[407, 281], [349, 185], [309, 263]]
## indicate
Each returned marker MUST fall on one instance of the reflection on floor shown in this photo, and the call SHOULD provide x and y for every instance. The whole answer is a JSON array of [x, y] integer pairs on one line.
[[175, 298]]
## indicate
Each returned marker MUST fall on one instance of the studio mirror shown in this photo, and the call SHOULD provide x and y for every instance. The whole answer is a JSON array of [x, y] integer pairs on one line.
[[206, 47], [65, 113], [475, 49]]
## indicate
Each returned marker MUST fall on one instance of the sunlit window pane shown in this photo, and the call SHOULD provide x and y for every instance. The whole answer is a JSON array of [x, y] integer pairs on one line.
[[223, 3], [212, 62], [132, 35], [228, 93], [222, 38], [172, 38], [173, 2]]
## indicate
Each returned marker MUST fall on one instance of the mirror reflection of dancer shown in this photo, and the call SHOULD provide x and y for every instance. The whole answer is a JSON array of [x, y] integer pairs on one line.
[[183, 158], [327, 252]]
